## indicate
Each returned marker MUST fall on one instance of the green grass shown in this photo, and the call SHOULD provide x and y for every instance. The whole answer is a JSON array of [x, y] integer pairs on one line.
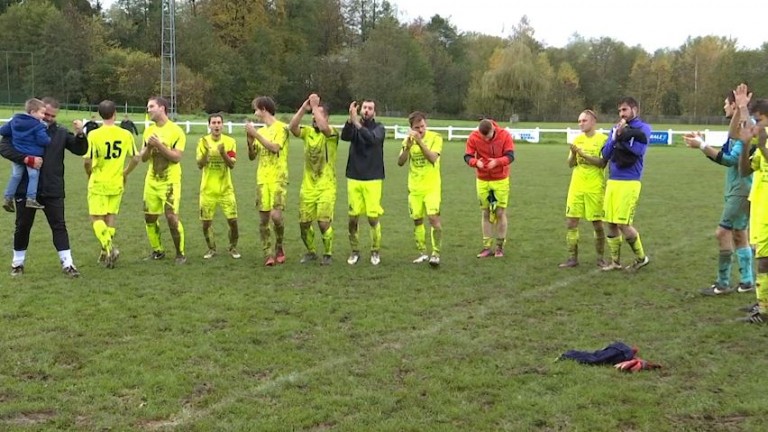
[[231, 345]]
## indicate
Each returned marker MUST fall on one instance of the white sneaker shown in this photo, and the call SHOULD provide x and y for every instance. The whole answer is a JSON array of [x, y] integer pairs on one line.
[[112, 258], [612, 265], [210, 254], [421, 259], [234, 253], [434, 260], [375, 258], [638, 264], [354, 257]]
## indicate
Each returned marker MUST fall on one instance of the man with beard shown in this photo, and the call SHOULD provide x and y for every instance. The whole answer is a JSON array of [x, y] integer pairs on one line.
[[625, 151], [365, 175]]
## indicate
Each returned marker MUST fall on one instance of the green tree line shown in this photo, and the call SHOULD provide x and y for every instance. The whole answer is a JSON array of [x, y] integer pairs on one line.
[[229, 51]]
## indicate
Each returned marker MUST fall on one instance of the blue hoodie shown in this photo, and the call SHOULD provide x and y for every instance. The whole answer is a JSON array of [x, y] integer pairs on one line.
[[28, 134], [625, 152]]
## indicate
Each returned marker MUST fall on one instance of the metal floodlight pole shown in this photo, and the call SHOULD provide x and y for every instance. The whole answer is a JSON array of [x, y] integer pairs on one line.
[[8, 70], [8, 76], [168, 55]]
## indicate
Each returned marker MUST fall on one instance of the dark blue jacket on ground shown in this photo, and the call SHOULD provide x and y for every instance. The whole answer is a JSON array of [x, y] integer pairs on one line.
[[28, 134], [616, 352]]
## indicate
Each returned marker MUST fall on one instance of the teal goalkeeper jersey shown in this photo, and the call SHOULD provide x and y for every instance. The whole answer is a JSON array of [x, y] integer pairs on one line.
[[735, 184]]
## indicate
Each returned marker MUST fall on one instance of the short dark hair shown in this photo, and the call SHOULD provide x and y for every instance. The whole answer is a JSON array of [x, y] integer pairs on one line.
[[107, 109], [416, 117], [161, 101], [369, 100], [214, 115], [51, 101], [325, 108], [630, 101], [730, 97], [485, 127], [265, 103], [760, 106]]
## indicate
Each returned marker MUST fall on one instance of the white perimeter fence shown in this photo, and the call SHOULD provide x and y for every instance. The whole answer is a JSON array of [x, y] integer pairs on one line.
[[713, 138]]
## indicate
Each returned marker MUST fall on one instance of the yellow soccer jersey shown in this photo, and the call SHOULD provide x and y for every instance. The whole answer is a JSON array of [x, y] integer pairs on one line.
[[319, 157], [422, 175], [758, 195], [108, 147], [217, 176], [586, 177], [173, 137], [273, 167]]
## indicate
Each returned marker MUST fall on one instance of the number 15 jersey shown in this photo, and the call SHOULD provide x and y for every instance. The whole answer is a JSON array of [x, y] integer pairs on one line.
[[108, 147]]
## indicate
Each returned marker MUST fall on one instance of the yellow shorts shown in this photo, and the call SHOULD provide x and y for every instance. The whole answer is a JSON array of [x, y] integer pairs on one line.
[[584, 205], [761, 241], [271, 196], [758, 232], [621, 198], [423, 203], [754, 229], [159, 197], [500, 189], [209, 203], [317, 204], [364, 197], [101, 205]]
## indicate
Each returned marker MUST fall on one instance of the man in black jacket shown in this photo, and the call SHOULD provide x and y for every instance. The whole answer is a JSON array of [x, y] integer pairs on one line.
[[365, 175], [91, 125], [50, 190], [129, 125]]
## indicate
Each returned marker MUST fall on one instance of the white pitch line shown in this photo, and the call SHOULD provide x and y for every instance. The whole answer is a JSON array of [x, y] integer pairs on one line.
[[187, 416]]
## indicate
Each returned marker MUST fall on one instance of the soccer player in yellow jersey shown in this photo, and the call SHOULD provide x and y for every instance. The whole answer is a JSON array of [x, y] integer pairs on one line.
[[317, 197], [164, 143], [587, 188], [758, 196], [108, 148], [270, 145], [422, 148], [216, 156]]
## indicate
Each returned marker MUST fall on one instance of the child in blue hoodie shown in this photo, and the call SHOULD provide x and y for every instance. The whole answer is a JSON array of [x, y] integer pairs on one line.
[[28, 135]]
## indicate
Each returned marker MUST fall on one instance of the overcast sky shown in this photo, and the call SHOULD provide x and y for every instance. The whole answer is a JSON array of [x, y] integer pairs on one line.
[[652, 24]]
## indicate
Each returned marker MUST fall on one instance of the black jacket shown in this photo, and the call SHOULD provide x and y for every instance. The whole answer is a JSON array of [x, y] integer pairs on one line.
[[51, 183], [129, 126], [90, 127], [366, 150]]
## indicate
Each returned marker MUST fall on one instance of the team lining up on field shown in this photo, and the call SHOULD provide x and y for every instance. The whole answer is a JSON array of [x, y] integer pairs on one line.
[[489, 150], [744, 221]]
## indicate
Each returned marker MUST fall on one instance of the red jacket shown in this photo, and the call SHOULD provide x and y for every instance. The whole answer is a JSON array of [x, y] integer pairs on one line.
[[501, 147]]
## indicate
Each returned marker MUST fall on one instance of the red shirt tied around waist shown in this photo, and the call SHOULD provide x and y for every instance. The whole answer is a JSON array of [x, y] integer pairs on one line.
[[490, 150]]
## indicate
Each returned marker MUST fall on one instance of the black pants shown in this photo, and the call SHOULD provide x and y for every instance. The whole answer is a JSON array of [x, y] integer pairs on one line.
[[25, 217]]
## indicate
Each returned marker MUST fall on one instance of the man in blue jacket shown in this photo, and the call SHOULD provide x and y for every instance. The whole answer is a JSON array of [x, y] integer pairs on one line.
[[624, 151]]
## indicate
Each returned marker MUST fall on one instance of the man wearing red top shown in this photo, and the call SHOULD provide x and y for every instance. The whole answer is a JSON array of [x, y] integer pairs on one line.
[[490, 150]]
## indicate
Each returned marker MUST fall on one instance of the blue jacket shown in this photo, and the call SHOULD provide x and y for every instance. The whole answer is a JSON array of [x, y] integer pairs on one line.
[[625, 152], [28, 134]]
